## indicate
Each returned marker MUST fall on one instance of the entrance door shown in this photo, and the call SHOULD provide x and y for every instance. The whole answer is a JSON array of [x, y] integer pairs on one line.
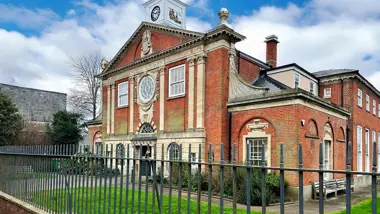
[[367, 150], [144, 164], [326, 158], [359, 143]]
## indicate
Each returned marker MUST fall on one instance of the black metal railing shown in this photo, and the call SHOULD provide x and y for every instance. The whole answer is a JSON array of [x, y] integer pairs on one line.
[[97, 179]]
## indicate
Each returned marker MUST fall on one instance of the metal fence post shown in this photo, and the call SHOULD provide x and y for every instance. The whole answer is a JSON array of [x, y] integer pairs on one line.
[[348, 179], [199, 179], [221, 178], [263, 184], [374, 185], [300, 179], [210, 161], [321, 186], [282, 183], [180, 179], [234, 180], [248, 181], [189, 182], [127, 181]]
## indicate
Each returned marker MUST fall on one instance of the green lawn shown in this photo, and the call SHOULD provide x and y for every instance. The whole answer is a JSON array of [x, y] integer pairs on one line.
[[363, 207], [55, 202]]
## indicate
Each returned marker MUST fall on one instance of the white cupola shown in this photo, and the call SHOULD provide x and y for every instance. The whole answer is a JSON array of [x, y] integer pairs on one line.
[[166, 12]]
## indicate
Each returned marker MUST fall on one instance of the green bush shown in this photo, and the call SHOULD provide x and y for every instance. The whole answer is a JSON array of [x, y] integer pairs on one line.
[[272, 182]]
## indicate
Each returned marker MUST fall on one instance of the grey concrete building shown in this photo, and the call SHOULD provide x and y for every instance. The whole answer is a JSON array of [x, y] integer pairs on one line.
[[34, 104]]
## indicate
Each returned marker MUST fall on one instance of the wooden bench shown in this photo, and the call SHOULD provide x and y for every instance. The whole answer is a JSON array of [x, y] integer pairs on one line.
[[341, 185], [331, 186]]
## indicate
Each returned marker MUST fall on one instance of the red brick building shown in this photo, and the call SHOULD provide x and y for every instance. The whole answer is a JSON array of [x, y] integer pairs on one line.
[[168, 86]]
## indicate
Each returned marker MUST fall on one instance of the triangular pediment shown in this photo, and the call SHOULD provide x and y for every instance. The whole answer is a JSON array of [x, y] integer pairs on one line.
[[148, 39]]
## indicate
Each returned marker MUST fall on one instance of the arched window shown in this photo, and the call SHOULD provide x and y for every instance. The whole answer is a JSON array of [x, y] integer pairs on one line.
[[173, 151], [146, 128]]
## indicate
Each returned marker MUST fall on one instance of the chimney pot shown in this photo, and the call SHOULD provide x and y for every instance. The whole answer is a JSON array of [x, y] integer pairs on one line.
[[271, 52]]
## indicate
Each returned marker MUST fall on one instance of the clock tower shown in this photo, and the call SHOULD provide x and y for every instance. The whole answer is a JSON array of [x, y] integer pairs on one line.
[[166, 12]]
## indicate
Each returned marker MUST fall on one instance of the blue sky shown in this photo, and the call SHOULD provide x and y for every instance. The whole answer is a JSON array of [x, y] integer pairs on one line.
[[61, 8], [38, 37]]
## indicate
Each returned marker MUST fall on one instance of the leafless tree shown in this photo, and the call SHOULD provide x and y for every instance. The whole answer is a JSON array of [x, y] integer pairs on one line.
[[32, 133], [85, 97]]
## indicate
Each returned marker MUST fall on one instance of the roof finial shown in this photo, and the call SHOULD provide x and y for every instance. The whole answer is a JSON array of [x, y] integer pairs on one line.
[[223, 15]]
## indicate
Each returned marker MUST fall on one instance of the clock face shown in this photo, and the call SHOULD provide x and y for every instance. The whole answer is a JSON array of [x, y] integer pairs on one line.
[[155, 13], [146, 88]]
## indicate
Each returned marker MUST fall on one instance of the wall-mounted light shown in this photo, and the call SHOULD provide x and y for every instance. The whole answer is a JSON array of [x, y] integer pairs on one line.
[[302, 123]]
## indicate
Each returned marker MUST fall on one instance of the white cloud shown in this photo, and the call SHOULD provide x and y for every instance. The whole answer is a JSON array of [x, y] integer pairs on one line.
[[310, 35], [41, 61], [26, 18], [313, 42], [71, 12]]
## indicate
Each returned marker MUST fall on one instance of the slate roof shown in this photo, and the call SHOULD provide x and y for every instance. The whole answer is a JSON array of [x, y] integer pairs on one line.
[[268, 82], [332, 72]]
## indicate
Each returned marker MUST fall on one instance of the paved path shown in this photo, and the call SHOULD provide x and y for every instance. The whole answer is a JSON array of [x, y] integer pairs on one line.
[[332, 204]]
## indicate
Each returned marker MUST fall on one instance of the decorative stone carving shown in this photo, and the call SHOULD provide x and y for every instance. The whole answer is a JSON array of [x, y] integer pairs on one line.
[[223, 15], [146, 46], [257, 126], [201, 58], [191, 61], [237, 86], [146, 106], [104, 63], [231, 58], [146, 128]]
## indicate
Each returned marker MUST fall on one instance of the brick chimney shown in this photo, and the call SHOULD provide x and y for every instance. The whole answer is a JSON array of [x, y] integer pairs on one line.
[[272, 41]]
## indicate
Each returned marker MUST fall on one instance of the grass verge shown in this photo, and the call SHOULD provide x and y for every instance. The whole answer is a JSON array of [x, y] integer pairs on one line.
[[362, 207], [57, 199]]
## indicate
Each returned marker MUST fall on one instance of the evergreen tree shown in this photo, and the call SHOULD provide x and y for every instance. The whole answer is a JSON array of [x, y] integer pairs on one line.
[[66, 128], [10, 120]]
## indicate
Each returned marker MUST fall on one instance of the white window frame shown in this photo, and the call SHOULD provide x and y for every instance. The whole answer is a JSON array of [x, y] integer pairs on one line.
[[256, 156], [297, 84], [325, 94], [374, 106], [360, 98], [378, 113], [312, 87], [359, 144], [125, 84], [184, 81], [367, 102], [367, 149]]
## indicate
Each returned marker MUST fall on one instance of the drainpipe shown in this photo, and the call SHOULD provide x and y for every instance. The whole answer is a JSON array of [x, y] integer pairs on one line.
[[229, 137], [238, 64], [348, 140], [341, 93]]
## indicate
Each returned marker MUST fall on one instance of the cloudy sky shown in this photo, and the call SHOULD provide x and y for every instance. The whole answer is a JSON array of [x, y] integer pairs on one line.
[[37, 37]]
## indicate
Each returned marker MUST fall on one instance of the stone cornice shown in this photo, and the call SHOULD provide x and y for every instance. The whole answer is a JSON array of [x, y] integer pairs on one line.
[[148, 25], [219, 32], [286, 96], [354, 75]]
